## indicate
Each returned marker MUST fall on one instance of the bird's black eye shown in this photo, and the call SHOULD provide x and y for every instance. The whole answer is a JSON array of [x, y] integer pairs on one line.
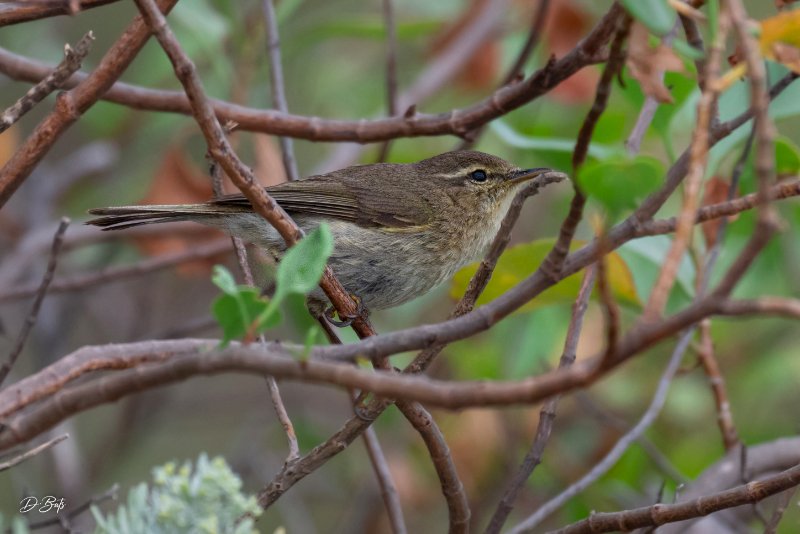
[[478, 176]]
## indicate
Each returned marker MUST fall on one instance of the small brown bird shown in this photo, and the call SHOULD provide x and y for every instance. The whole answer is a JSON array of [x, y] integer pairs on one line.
[[399, 229]]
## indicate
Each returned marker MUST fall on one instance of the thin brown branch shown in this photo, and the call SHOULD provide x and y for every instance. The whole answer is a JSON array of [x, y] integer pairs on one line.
[[73, 57], [70, 105], [730, 438], [391, 57], [516, 69], [391, 70], [660, 514], [455, 122], [8, 464], [554, 261], [783, 503], [648, 110], [277, 86], [622, 445], [391, 498], [547, 414], [113, 274], [389, 493], [452, 488], [782, 190], [786, 307], [41, 291], [16, 12], [698, 155], [33, 243], [608, 418], [759, 101], [695, 40]]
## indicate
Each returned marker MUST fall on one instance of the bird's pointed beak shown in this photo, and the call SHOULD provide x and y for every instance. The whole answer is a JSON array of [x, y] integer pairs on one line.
[[542, 175]]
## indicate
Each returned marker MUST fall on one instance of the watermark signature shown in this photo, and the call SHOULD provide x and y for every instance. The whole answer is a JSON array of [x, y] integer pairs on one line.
[[42, 506]]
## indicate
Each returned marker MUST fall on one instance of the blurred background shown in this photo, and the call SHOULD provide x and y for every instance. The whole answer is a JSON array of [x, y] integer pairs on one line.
[[334, 63]]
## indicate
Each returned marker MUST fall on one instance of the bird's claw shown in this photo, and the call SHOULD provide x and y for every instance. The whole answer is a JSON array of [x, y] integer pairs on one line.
[[346, 320]]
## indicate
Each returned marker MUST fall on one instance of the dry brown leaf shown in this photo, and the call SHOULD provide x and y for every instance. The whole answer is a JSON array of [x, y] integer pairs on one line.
[[178, 181], [566, 24], [482, 68], [647, 64], [9, 141], [716, 191]]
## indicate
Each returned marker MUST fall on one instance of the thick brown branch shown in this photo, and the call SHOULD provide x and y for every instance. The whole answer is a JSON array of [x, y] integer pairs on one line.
[[16, 12], [72, 104]]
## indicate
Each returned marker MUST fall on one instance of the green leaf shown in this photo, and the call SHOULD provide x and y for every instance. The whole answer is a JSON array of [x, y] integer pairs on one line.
[[373, 28], [645, 256], [521, 261], [656, 15], [687, 50], [312, 335], [240, 314], [300, 269], [223, 279], [620, 183], [787, 156]]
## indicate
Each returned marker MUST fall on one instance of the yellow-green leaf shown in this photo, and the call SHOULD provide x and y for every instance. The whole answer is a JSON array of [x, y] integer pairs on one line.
[[521, 261]]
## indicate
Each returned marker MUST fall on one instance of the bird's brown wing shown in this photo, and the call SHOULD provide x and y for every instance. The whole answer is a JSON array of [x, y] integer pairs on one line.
[[348, 198]]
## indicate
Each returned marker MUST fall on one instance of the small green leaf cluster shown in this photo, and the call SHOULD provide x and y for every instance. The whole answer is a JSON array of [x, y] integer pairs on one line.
[[242, 313], [207, 499]]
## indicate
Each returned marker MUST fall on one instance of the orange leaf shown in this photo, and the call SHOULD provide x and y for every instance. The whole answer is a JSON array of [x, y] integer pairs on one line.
[[178, 181], [566, 24], [716, 191], [481, 69]]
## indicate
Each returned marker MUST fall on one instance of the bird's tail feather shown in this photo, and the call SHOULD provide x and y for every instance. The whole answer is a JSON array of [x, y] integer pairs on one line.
[[118, 218]]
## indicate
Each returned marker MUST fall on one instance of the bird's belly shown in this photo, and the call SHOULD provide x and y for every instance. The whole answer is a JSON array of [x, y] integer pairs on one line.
[[383, 268], [386, 269]]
